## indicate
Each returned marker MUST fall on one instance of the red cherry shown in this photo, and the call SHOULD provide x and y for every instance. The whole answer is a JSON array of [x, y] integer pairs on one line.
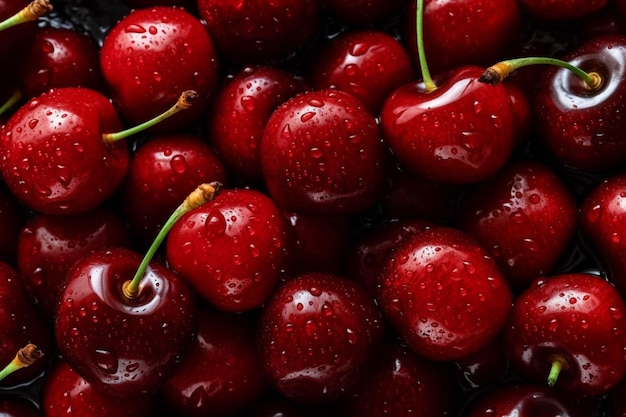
[[120, 345], [579, 125], [458, 133], [48, 246], [162, 172], [60, 57], [522, 400], [317, 334], [240, 111], [151, 55], [601, 222], [368, 64], [220, 373], [400, 382], [566, 331], [21, 325], [259, 31], [15, 37], [526, 218], [54, 157], [471, 32], [66, 393], [443, 293], [321, 153], [233, 250]]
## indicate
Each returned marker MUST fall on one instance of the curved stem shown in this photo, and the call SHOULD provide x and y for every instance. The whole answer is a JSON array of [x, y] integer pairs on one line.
[[26, 356], [419, 25], [498, 72], [559, 363], [202, 194], [33, 11], [184, 102], [15, 98]]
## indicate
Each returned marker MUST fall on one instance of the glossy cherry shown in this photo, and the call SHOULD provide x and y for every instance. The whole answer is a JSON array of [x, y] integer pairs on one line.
[[443, 293], [317, 334], [321, 153], [151, 55], [567, 331]]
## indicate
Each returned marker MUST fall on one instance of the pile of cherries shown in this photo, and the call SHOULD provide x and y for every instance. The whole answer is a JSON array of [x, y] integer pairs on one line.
[[379, 208]]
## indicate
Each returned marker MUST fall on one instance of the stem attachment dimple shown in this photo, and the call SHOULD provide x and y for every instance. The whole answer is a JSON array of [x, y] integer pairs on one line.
[[201, 195], [26, 356]]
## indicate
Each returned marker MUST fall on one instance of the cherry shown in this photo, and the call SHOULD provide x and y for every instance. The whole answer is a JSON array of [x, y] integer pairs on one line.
[[17, 23], [152, 54], [523, 400], [260, 31], [220, 373], [485, 367], [456, 33], [321, 153], [317, 334], [48, 246], [233, 250], [369, 64], [65, 393], [443, 293], [526, 217], [364, 12], [400, 382], [566, 330], [60, 57], [240, 111], [162, 171], [21, 325]]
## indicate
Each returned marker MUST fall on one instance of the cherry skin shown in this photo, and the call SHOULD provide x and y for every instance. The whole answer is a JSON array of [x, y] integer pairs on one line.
[[123, 346], [240, 111], [487, 366], [601, 223], [443, 293], [21, 324], [522, 400], [220, 374], [474, 32], [321, 154], [162, 172], [573, 320], [260, 32], [526, 218], [316, 336], [369, 64], [233, 250], [60, 57], [60, 133], [151, 55], [400, 382], [460, 133], [48, 246], [580, 127], [17, 37], [66, 393]]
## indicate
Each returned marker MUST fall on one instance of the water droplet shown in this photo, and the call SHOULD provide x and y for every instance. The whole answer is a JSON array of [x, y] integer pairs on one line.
[[534, 198], [135, 29], [350, 70], [178, 164], [153, 30], [215, 223], [307, 116], [248, 103], [105, 360], [33, 123], [553, 325]]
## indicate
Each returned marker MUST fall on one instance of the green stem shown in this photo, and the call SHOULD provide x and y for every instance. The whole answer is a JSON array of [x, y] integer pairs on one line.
[[419, 25], [33, 11], [558, 364], [498, 72], [184, 102], [24, 357], [15, 97], [202, 194]]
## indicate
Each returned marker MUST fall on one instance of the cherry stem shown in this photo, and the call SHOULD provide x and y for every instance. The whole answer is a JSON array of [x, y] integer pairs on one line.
[[559, 363], [495, 74], [419, 29], [14, 99], [26, 356], [184, 102], [33, 11], [202, 194]]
